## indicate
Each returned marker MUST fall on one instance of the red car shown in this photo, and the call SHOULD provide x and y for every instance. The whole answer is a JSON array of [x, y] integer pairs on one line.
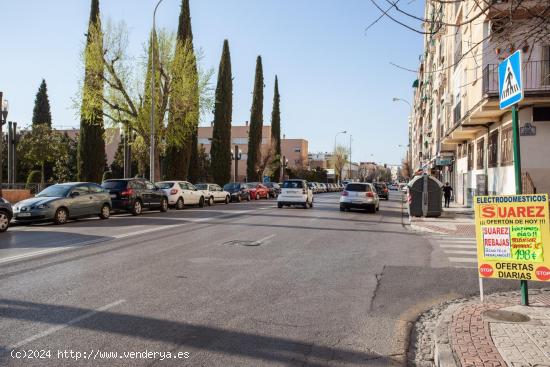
[[257, 190]]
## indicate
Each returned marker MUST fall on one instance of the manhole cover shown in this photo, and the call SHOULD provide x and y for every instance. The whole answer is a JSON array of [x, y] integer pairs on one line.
[[507, 316], [243, 243]]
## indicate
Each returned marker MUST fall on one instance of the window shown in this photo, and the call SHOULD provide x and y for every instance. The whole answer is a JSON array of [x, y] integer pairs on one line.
[[459, 151], [541, 113], [136, 184], [480, 161], [492, 149], [297, 150], [81, 189], [150, 185], [239, 141], [203, 141], [506, 151], [545, 73], [293, 185], [470, 156], [95, 189], [184, 185]]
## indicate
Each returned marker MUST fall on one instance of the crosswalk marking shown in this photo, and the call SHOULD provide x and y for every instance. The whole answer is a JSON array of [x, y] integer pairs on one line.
[[461, 252], [458, 250], [463, 259], [457, 246]]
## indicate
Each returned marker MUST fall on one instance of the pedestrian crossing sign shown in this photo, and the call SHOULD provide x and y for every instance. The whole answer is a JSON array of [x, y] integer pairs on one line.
[[509, 80]]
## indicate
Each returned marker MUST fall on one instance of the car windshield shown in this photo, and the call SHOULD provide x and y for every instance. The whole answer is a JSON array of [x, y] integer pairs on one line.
[[357, 187], [292, 185], [201, 186], [116, 184], [165, 185], [252, 185], [380, 185], [55, 191], [232, 186]]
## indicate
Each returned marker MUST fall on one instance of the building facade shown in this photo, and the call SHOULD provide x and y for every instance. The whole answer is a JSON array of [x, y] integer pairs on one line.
[[458, 133], [295, 151]]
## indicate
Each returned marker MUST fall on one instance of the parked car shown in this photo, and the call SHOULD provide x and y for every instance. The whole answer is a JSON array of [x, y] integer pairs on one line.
[[214, 193], [393, 187], [295, 192], [61, 202], [238, 191], [312, 187], [182, 193], [360, 195], [6, 213], [135, 194], [273, 188], [382, 190], [322, 187], [257, 190]]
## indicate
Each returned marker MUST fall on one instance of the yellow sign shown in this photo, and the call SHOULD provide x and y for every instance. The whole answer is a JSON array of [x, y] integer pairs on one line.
[[512, 232]]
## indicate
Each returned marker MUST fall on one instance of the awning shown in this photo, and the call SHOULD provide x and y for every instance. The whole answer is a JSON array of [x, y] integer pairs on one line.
[[415, 84]]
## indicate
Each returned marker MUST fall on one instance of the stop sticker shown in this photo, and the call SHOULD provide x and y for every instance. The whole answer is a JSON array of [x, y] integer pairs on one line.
[[542, 273], [486, 270]]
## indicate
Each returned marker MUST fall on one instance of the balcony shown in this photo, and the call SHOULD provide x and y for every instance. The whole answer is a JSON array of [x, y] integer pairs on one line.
[[536, 78]]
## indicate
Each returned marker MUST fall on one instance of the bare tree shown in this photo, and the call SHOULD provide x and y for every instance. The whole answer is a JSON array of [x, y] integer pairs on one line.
[[339, 160]]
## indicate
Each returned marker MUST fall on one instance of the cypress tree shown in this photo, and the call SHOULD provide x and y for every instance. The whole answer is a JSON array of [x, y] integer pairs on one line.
[[220, 152], [178, 153], [276, 129], [41, 113], [91, 146], [194, 164], [256, 124]]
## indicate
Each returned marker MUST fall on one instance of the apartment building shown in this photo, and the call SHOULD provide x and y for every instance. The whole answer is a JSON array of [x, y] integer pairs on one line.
[[458, 133], [295, 151]]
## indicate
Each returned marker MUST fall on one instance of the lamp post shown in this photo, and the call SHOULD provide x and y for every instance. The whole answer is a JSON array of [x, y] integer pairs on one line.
[[152, 127], [4, 106], [236, 155], [409, 153], [334, 154], [350, 157]]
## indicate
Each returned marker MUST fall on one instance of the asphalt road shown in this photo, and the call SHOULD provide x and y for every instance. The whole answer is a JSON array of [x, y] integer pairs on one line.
[[230, 285]]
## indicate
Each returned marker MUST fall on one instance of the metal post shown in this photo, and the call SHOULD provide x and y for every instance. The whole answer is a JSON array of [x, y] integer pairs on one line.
[[2, 122], [519, 188], [236, 157], [152, 127], [14, 154], [350, 157], [10, 139]]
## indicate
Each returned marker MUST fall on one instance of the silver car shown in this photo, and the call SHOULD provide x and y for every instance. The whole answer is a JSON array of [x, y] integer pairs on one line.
[[359, 195], [60, 202]]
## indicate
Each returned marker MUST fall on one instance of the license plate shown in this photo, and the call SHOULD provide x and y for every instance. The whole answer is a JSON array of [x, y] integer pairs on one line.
[[113, 196], [24, 214]]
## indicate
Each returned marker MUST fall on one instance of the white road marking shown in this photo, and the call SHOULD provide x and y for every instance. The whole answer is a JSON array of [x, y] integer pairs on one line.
[[265, 239], [461, 252], [463, 259], [69, 323], [458, 246]]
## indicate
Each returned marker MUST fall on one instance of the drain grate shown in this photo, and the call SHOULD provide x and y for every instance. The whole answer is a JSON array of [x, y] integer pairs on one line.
[[242, 243]]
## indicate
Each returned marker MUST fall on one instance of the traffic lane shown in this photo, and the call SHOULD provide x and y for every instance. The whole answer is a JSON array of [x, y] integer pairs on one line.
[[44, 238], [300, 295]]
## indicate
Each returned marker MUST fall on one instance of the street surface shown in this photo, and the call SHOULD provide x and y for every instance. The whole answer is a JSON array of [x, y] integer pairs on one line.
[[315, 287]]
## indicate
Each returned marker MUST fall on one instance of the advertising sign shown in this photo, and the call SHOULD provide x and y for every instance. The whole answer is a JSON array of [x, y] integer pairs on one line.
[[513, 236]]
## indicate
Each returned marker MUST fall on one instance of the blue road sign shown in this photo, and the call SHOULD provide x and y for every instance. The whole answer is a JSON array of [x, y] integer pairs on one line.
[[510, 86], [266, 179]]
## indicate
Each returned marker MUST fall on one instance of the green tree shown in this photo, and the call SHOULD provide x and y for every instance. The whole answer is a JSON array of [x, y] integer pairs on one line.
[[65, 165], [276, 132], [184, 102], [220, 151], [194, 163], [256, 125], [41, 113], [91, 145], [40, 146]]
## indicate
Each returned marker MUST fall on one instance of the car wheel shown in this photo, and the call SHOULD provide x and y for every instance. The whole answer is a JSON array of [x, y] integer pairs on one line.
[[342, 209], [239, 198], [179, 204], [227, 199], [136, 208], [105, 212], [311, 204], [210, 201], [164, 205], [4, 222], [305, 205], [378, 207], [248, 197], [371, 209], [201, 202], [279, 205], [61, 215]]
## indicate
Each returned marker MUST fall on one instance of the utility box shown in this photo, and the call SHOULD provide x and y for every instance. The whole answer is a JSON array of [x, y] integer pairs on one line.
[[425, 196]]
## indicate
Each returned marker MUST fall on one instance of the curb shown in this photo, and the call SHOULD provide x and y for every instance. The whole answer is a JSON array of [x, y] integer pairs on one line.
[[443, 353]]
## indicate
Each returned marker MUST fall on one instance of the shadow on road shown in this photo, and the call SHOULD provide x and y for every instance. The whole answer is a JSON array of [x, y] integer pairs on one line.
[[182, 334], [45, 239]]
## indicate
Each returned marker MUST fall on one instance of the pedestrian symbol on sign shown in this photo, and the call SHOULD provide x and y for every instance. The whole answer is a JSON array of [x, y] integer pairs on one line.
[[510, 83]]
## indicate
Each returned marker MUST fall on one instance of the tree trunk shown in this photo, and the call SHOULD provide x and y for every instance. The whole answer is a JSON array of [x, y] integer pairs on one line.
[[157, 163], [42, 173]]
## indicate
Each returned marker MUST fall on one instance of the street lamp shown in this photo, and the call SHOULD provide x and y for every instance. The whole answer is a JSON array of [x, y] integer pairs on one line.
[[4, 106], [409, 153], [334, 154], [152, 127], [236, 155]]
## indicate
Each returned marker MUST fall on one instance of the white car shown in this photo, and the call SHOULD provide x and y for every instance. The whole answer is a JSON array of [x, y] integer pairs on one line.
[[181, 193], [361, 195], [214, 193], [295, 192]]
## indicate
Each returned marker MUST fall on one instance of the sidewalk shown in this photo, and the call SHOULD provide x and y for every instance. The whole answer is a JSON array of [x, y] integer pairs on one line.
[[457, 220], [499, 332]]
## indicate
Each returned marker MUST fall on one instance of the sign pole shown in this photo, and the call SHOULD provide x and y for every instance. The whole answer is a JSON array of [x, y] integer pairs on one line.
[[519, 187]]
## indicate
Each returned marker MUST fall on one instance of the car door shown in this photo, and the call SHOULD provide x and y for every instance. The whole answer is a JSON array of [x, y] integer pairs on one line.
[[196, 194], [188, 197], [153, 193], [98, 196], [217, 192], [79, 201]]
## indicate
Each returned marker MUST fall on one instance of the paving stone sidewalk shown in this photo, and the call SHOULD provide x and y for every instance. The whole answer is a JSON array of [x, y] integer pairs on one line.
[[456, 220], [479, 338]]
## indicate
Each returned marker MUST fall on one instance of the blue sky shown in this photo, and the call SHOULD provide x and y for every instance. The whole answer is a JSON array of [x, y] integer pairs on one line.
[[332, 75]]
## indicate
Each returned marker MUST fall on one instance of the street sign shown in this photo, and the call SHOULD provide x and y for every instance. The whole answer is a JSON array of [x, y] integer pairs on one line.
[[528, 130], [266, 179], [510, 86], [512, 232]]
